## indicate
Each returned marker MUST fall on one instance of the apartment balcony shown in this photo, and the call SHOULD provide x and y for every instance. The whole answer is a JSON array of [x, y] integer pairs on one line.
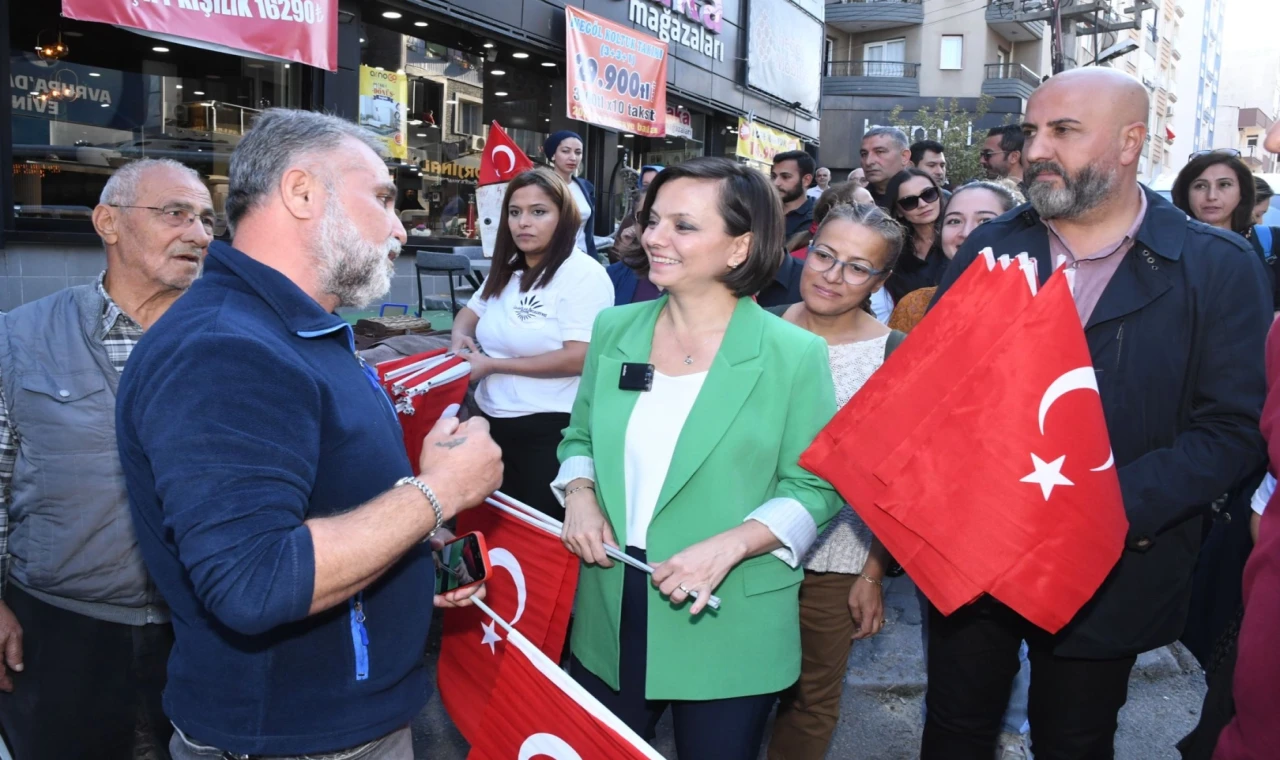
[[856, 16], [872, 78], [1009, 80], [1008, 19]]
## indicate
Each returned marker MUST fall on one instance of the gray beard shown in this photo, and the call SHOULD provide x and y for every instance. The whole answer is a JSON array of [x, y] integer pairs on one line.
[[354, 270], [1077, 196]]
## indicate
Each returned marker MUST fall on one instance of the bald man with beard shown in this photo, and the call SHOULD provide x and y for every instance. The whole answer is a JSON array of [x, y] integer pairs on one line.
[[1175, 315]]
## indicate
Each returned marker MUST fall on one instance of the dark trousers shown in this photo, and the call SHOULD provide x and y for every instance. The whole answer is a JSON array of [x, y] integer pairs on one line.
[[724, 729], [89, 690], [973, 657], [529, 457]]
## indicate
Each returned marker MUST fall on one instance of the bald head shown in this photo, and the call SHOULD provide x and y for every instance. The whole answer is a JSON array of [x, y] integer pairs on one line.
[[1085, 131], [1112, 93]]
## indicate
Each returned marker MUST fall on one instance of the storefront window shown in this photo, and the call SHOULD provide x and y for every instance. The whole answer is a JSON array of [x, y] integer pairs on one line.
[[116, 97], [433, 104]]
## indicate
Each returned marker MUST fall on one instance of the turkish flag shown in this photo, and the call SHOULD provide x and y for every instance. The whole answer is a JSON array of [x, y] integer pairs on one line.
[[532, 582], [502, 159], [421, 397], [537, 711], [1011, 477], [884, 411]]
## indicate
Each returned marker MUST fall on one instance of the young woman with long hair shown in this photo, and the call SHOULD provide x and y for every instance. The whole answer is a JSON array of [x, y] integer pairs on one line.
[[527, 331]]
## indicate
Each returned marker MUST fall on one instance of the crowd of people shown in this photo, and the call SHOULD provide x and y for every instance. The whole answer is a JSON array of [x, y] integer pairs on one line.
[[213, 544]]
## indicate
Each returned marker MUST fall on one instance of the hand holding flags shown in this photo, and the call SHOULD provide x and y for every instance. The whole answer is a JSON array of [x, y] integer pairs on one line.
[[979, 452]]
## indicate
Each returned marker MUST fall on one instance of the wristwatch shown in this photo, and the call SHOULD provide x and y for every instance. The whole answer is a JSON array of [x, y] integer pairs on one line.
[[431, 497]]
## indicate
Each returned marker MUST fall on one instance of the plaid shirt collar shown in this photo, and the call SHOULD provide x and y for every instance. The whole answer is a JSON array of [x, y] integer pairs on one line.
[[113, 317]]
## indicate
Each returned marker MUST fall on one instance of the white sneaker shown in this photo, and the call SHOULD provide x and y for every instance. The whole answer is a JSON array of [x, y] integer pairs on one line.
[[1012, 747]]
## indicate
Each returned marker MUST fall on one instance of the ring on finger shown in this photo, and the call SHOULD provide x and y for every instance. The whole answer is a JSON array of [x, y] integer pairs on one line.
[[685, 590]]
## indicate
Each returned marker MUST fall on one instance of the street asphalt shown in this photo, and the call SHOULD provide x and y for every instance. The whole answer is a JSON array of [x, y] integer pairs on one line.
[[880, 717]]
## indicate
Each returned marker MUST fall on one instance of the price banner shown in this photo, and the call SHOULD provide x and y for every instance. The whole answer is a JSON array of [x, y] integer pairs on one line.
[[616, 77], [305, 31]]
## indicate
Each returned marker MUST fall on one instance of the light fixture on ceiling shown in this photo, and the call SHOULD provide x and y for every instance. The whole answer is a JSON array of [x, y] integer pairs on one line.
[[286, 65], [546, 120], [500, 94], [159, 49], [520, 56], [419, 24], [548, 64], [197, 93], [421, 134], [628, 136], [106, 105], [391, 14], [178, 86], [497, 72], [54, 51], [488, 46], [94, 74], [362, 40]]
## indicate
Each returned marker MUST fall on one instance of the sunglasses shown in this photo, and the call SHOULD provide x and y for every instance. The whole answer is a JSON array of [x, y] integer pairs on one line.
[[1215, 152], [912, 202]]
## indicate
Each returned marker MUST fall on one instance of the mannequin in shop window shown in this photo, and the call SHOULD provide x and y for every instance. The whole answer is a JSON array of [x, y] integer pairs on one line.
[[564, 150]]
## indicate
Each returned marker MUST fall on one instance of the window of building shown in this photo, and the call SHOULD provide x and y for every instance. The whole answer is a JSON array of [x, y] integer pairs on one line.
[[952, 56], [884, 59], [828, 55], [119, 96], [434, 104]]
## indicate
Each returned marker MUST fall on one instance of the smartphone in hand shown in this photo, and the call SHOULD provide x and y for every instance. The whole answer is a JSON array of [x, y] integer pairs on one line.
[[462, 562]]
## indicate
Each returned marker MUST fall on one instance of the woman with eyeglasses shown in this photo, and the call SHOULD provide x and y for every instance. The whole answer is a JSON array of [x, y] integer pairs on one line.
[[841, 596], [915, 200], [1216, 187]]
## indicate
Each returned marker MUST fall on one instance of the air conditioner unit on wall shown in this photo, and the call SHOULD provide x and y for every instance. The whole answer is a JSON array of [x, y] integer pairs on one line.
[[477, 144]]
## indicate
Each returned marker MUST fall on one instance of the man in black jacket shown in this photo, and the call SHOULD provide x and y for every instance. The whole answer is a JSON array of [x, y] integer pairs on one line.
[[1176, 316]]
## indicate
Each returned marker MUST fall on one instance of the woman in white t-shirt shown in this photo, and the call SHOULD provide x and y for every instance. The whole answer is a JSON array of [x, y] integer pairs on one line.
[[533, 321]]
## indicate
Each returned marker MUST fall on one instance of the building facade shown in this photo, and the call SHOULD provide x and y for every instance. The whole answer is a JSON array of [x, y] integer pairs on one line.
[[1249, 95], [456, 66], [1200, 48], [911, 53]]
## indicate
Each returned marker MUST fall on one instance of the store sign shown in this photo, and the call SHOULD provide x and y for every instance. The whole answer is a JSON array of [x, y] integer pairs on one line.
[[679, 123], [383, 99], [305, 31], [759, 144], [615, 76], [690, 23], [784, 53]]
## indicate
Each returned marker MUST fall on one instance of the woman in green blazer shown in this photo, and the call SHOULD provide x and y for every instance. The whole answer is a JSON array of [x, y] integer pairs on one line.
[[698, 475]]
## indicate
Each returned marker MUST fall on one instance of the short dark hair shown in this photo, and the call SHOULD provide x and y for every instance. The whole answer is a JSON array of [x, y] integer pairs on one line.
[[803, 160], [918, 149], [748, 203], [1011, 137], [509, 259], [1242, 215]]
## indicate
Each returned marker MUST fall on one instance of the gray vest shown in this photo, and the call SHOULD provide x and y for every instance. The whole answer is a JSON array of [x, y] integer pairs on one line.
[[71, 538]]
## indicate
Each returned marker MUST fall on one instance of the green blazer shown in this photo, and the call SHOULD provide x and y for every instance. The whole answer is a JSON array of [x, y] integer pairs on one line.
[[766, 397]]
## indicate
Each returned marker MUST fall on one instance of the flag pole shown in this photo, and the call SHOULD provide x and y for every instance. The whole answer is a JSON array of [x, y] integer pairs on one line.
[[555, 527]]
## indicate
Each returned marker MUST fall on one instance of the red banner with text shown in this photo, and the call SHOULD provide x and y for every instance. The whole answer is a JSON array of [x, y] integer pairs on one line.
[[616, 77], [305, 31]]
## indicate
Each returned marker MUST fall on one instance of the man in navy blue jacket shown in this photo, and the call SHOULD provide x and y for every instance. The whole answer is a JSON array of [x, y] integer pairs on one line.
[[1175, 314], [273, 500]]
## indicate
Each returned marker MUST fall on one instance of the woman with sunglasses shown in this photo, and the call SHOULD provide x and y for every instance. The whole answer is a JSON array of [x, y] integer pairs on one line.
[[915, 200], [841, 596]]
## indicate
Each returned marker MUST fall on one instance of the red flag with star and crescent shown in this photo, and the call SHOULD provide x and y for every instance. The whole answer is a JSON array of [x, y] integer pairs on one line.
[[538, 711], [532, 582], [502, 159], [1005, 477]]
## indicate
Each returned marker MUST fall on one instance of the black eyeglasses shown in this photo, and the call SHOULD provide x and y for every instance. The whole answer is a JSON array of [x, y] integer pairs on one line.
[[854, 272], [912, 202], [177, 215], [987, 154], [1215, 152]]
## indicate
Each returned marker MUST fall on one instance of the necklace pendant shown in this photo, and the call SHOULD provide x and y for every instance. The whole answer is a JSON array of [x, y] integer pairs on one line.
[[688, 360]]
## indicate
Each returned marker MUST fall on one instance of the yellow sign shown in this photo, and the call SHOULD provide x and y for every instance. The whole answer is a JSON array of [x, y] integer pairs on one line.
[[383, 111], [759, 144]]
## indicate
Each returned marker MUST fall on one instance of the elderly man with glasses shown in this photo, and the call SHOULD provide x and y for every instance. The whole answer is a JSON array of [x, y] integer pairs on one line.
[[84, 636]]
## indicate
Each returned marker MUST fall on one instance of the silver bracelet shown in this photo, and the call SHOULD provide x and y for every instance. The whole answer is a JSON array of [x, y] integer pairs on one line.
[[431, 497]]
